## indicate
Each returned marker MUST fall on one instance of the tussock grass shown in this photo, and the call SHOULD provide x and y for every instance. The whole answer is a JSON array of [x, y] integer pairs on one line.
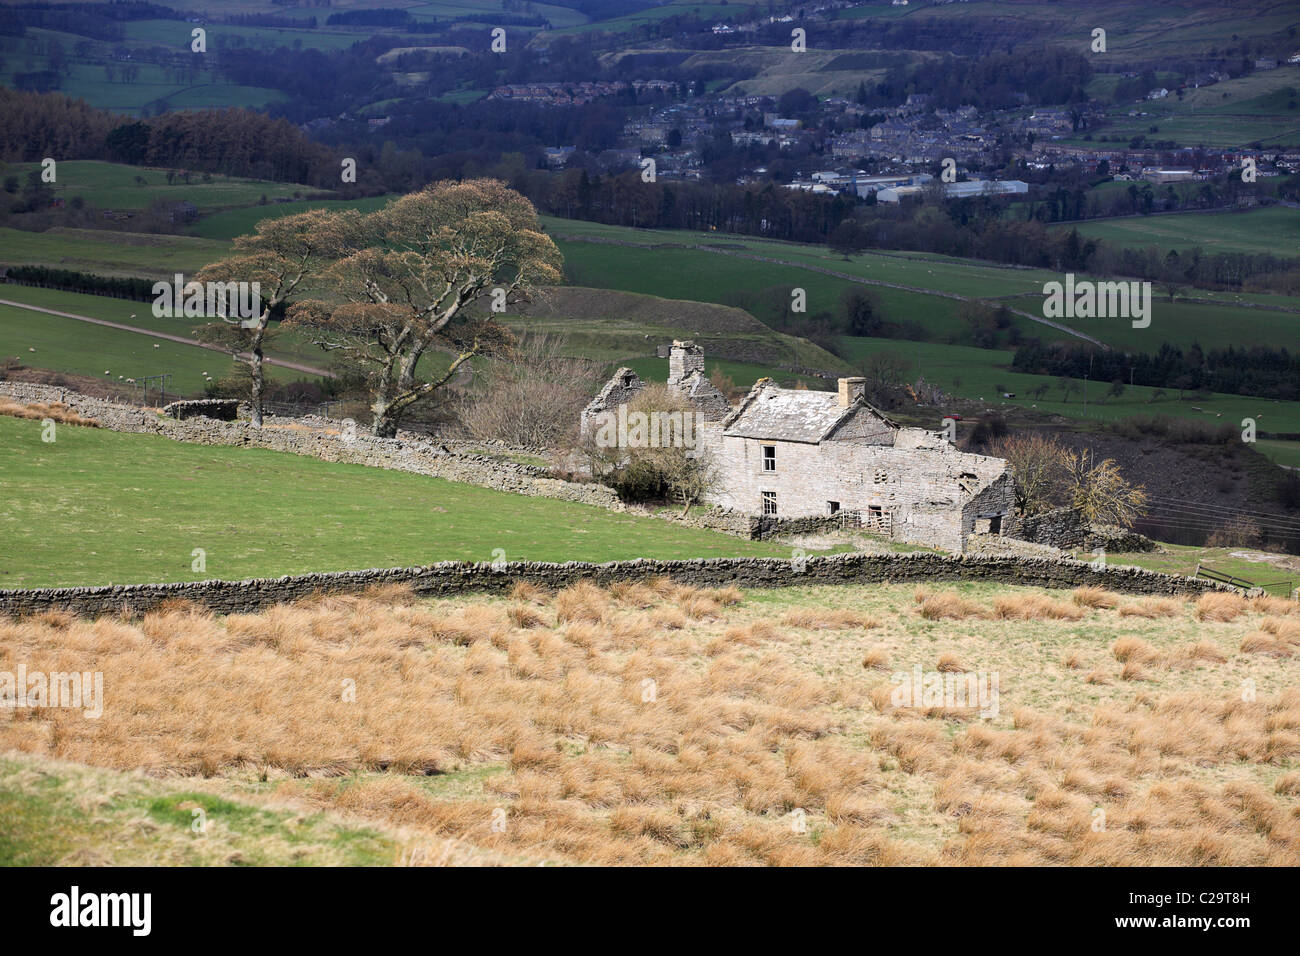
[[1035, 607], [945, 605], [1151, 608], [615, 726], [1220, 606], [826, 618], [877, 658], [39, 411], [1262, 643], [1094, 597]]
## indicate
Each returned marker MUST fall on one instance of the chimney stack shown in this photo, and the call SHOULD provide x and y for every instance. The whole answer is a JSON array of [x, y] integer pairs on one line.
[[684, 358], [852, 389]]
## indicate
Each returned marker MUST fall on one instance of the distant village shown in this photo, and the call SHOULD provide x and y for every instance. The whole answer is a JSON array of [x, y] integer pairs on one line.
[[886, 155]]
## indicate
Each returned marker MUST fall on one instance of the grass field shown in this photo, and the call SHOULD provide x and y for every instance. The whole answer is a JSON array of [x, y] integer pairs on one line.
[[67, 345], [660, 262], [288, 345], [242, 222], [110, 253], [154, 86], [114, 186], [1256, 107], [979, 370], [98, 506], [1274, 231], [1185, 559], [141, 822], [662, 724]]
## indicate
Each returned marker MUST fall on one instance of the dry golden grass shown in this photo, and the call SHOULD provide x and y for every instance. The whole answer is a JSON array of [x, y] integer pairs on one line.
[[1262, 643], [1268, 604], [1034, 607], [945, 605], [653, 724], [824, 618], [877, 658], [950, 664], [57, 411], [1152, 608], [1220, 606], [1094, 597]]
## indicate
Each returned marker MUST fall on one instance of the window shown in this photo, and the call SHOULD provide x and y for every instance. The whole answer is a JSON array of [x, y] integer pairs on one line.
[[880, 477], [769, 458], [832, 507], [769, 502]]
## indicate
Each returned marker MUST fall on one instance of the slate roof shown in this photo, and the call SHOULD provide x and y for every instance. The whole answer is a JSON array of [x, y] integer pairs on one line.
[[781, 414]]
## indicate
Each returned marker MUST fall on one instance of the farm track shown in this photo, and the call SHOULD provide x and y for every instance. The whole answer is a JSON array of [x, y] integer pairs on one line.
[[295, 366]]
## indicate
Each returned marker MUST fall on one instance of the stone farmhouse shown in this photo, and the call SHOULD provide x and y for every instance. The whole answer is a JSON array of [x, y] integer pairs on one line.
[[798, 454]]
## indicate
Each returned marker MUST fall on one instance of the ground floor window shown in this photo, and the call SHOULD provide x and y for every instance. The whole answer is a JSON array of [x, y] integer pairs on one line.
[[769, 502], [832, 507]]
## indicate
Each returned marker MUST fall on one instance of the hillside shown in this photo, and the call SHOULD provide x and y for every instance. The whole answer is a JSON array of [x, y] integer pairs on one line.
[[611, 325]]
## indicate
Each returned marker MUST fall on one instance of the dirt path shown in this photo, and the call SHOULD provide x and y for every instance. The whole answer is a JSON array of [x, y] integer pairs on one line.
[[296, 366]]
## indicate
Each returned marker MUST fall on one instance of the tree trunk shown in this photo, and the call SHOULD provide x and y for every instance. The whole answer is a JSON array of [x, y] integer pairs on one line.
[[259, 382], [384, 424]]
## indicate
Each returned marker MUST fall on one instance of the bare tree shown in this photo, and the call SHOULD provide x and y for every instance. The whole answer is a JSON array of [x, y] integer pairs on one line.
[[427, 273], [532, 397], [280, 255], [1038, 466]]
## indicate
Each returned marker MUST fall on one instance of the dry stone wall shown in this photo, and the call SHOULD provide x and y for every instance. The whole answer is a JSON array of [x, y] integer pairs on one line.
[[451, 577], [404, 453]]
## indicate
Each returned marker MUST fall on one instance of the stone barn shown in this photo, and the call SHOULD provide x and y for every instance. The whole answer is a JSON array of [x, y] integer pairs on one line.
[[793, 453]]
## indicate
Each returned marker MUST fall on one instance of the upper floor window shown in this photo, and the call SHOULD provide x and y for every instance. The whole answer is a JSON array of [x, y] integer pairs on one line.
[[769, 458]]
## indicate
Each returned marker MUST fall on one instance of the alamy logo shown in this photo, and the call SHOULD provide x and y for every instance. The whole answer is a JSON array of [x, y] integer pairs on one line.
[[926, 689], [75, 690], [647, 429], [103, 909], [1086, 299], [208, 300]]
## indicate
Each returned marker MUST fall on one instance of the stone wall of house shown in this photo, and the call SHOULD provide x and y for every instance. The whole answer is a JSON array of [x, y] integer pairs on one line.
[[1063, 528], [922, 489], [329, 443], [451, 577]]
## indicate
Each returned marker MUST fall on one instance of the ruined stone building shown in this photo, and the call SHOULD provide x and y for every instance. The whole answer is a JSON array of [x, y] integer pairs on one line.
[[794, 453]]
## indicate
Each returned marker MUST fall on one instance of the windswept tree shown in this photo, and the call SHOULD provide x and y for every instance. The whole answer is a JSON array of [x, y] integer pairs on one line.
[[1100, 491], [279, 256], [429, 273]]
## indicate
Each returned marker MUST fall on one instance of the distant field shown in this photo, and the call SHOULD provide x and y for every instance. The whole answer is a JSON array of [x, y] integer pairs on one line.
[[1257, 106], [115, 186], [657, 261], [81, 348], [109, 253], [98, 506], [744, 374], [1273, 231], [140, 315], [154, 86], [979, 370], [241, 222]]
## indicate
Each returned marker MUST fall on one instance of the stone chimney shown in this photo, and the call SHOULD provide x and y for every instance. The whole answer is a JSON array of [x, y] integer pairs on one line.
[[851, 389], [683, 359]]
